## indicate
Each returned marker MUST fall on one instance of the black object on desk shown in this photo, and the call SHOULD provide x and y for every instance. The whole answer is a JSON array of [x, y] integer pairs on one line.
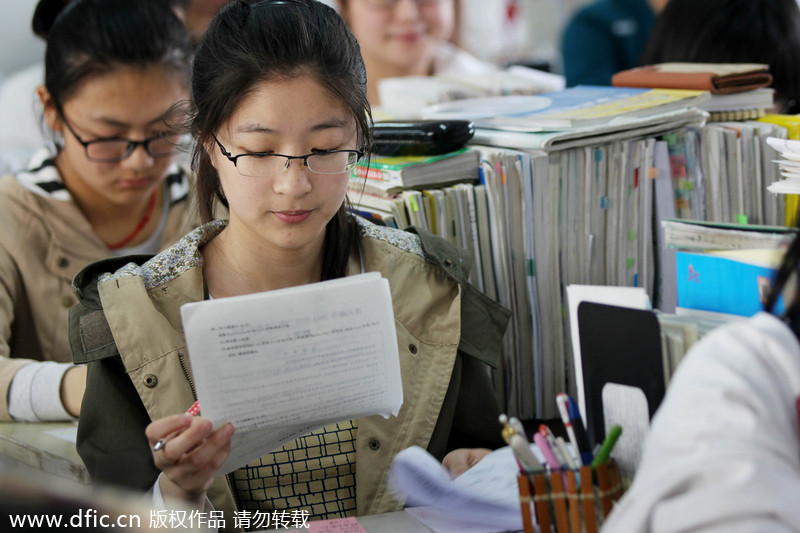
[[421, 137], [618, 345]]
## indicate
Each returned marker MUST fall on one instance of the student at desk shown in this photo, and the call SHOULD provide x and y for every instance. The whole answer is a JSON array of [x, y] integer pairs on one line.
[[279, 89], [21, 132], [723, 453], [407, 38], [733, 31], [114, 70]]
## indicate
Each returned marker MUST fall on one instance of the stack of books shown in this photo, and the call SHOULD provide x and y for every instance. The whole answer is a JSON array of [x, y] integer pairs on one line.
[[402, 191], [739, 91], [575, 116]]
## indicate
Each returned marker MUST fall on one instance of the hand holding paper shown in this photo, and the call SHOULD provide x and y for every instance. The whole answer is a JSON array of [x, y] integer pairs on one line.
[[279, 364]]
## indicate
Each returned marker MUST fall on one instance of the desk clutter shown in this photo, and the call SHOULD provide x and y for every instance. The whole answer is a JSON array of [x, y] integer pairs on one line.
[[577, 506], [567, 493], [573, 187], [548, 481]]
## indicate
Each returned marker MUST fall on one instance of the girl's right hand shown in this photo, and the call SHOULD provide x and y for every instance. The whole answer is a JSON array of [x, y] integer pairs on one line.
[[191, 456]]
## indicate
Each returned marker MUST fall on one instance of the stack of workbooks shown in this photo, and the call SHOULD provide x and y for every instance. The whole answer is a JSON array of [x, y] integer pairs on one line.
[[573, 117], [576, 193], [402, 191], [725, 268], [738, 90]]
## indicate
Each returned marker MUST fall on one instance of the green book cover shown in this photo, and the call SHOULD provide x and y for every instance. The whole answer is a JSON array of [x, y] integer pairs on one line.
[[399, 162]]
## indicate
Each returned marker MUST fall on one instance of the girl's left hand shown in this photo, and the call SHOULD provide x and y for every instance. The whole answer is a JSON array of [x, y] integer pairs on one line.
[[462, 459]]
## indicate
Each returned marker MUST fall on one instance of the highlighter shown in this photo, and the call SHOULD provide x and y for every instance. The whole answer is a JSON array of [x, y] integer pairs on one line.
[[608, 445], [541, 442]]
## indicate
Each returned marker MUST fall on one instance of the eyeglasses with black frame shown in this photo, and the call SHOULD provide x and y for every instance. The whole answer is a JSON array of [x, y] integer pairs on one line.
[[262, 164], [114, 149]]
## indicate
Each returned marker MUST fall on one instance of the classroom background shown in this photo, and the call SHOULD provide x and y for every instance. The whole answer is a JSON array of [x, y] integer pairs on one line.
[[500, 31]]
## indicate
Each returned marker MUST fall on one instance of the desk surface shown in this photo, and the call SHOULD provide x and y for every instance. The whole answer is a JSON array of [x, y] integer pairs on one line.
[[398, 522], [47, 447]]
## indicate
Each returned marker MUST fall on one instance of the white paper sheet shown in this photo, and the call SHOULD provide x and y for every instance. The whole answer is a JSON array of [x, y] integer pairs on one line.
[[281, 363]]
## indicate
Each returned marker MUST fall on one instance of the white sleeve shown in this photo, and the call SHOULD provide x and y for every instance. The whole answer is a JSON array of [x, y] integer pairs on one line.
[[159, 504], [35, 393], [724, 448]]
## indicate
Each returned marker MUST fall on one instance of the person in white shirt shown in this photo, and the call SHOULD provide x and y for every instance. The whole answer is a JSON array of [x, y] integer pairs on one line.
[[723, 453]]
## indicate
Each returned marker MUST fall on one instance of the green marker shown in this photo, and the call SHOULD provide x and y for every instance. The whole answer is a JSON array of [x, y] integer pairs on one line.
[[608, 445]]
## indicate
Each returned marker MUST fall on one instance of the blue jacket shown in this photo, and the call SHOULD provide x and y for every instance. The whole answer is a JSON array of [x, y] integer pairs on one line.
[[603, 38]]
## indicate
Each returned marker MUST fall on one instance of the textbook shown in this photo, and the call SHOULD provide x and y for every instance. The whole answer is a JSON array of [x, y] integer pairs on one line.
[[718, 78], [580, 106], [408, 172], [281, 363], [612, 131], [735, 282], [696, 235]]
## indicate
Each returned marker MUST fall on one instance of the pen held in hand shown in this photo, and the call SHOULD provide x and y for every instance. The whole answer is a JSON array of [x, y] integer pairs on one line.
[[194, 410]]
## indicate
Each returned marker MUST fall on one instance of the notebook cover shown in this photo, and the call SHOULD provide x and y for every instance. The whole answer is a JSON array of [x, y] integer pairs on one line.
[[717, 78], [618, 345]]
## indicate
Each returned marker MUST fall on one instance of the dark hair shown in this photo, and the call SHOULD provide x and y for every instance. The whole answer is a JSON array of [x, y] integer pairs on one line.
[[252, 42], [787, 277], [732, 31], [90, 37]]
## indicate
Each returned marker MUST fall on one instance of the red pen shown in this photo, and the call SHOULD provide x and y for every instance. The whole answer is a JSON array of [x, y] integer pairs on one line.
[[193, 410]]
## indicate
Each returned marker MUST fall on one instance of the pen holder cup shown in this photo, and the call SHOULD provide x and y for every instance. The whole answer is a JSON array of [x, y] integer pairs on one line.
[[570, 501]]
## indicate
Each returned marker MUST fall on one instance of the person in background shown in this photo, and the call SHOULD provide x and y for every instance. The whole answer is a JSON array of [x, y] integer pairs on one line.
[[114, 71], [733, 31], [196, 14], [21, 129], [407, 38], [605, 37], [723, 453], [279, 89]]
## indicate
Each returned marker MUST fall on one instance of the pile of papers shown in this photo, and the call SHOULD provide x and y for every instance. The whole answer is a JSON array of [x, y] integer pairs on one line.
[[788, 164], [281, 363]]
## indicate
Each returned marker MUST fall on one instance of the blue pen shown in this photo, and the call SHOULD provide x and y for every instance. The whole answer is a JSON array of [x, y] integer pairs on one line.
[[584, 449]]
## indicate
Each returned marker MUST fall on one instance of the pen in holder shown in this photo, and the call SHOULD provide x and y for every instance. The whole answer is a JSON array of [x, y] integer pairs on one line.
[[579, 507]]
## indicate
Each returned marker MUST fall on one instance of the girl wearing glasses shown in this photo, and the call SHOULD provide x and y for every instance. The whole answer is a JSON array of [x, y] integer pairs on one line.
[[407, 38], [281, 118], [114, 70]]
